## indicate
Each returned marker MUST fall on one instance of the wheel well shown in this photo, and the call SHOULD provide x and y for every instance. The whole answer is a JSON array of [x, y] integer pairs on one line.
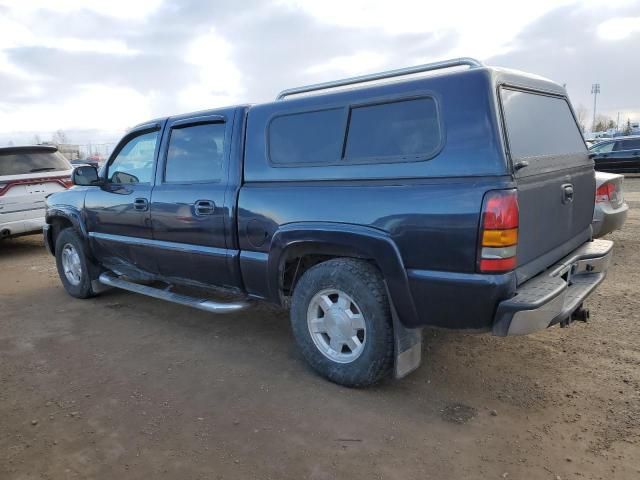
[[57, 225], [298, 261]]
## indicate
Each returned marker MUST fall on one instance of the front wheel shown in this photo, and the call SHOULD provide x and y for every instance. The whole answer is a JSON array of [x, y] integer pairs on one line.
[[341, 320], [73, 266]]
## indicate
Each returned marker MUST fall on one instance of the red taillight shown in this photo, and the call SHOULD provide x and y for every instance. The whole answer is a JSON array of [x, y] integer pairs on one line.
[[605, 192], [498, 231], [66, 182]]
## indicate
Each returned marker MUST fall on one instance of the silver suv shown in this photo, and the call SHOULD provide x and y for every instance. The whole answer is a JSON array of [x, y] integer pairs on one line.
[[27, 176]]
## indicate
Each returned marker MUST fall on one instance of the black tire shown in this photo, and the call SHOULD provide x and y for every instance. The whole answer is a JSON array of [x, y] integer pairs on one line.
[[83, 289], [364, 284]]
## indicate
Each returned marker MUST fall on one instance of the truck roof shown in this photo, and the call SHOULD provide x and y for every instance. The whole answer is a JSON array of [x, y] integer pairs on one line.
[[499, 76]]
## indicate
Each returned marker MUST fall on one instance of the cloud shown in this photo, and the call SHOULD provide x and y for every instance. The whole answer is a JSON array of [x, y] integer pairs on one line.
[[100, 64], [564, 45], [619, 28], [92, 104], [361, 62]]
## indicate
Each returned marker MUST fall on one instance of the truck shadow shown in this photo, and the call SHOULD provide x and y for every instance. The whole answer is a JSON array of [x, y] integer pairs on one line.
[[27, 245], [460, 372]]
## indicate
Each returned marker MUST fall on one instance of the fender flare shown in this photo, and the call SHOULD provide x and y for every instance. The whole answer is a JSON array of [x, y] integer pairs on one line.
[[344, 239], [363, 242], [69, 213]]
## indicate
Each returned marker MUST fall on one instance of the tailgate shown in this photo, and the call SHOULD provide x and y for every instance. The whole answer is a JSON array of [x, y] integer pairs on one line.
[[554, 176]]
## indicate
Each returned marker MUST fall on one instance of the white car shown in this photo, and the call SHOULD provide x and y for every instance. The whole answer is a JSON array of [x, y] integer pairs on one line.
[[27, 175], [610, 211]]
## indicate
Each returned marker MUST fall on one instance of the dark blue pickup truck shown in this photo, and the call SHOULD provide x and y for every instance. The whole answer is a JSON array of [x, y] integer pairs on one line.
[[371, 207]]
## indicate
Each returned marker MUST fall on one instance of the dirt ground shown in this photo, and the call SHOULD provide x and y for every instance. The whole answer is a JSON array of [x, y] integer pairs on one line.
[[123, 386]]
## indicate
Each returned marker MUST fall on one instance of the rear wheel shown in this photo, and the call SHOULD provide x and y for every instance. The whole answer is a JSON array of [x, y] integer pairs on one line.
[[73, 266], [341, 320]]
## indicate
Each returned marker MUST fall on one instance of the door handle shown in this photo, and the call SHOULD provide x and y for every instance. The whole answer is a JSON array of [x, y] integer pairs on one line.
[[567, 193], [141, 204], [204, 207]]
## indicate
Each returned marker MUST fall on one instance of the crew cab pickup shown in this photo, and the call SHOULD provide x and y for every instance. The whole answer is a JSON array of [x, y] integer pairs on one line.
[[370, 207]]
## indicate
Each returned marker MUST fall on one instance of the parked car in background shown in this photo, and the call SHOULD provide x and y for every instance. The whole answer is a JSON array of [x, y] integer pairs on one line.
[[80, 163], [27, 175], [617, 155], [611, 210]]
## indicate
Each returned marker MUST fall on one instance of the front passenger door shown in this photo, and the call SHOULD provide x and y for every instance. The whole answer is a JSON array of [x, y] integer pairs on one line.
[[117, 213]]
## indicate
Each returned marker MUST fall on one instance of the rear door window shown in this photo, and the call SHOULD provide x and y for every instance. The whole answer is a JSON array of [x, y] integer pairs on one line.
[[195, 154], [542, 130], [407, 129], [24, 162]]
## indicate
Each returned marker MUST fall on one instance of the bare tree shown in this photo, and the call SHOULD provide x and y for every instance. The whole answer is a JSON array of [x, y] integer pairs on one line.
[[602, 123], [627, 128], [581, 116], [59, 137]]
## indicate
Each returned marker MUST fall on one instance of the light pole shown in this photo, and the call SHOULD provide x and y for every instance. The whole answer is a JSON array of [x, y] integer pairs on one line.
[[595, 90]]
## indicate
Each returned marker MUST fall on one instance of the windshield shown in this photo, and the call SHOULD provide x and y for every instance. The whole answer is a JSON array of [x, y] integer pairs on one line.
[[19, 163], [602, 147]]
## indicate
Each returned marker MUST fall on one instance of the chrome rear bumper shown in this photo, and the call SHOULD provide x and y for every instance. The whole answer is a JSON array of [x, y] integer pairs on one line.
[[555, 294]]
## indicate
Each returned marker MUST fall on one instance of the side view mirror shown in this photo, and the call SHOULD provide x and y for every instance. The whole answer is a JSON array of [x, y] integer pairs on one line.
[[85, 175]]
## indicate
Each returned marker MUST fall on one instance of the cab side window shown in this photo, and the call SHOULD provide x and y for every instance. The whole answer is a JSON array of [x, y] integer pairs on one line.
[[134, 162], [195, 154]]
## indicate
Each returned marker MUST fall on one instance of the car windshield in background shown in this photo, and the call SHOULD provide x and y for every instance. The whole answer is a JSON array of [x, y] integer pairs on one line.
[[602, 147], [23, 162]]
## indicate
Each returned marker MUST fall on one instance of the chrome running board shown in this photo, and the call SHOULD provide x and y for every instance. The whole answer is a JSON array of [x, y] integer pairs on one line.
[[211, 306]]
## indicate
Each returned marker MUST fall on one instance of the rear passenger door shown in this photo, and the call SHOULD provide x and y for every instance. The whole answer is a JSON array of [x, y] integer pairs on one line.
[[188, 205]]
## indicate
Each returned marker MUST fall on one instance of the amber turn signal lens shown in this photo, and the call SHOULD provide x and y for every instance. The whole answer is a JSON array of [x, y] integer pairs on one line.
[[500, 238]]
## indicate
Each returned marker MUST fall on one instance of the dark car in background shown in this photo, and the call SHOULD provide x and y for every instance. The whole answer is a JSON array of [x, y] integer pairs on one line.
[[617, 155]]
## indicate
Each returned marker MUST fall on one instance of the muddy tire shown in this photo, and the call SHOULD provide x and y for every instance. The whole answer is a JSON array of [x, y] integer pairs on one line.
[[74, 268], [341, 321]]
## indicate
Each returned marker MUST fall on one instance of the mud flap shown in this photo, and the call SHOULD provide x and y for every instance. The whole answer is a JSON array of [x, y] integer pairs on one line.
[[408, 347]]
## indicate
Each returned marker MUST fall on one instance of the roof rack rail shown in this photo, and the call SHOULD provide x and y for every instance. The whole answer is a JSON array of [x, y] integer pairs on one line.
[[455, 62]]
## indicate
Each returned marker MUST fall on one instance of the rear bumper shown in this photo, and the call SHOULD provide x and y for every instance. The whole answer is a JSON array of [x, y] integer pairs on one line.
[[555, 294], [22, 226], [606, 219]]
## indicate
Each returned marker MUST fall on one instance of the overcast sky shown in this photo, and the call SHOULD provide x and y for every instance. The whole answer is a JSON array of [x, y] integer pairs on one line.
[[109, 64]]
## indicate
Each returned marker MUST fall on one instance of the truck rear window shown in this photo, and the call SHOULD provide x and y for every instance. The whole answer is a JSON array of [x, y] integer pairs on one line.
[[22, 162], [539, 125]]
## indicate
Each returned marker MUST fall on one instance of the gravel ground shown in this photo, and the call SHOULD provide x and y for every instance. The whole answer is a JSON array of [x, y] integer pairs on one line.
[[123, 386]]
